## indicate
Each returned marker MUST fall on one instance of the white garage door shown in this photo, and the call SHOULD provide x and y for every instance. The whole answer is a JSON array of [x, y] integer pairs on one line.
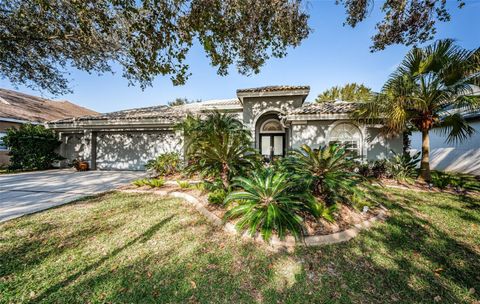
[[132, 150]]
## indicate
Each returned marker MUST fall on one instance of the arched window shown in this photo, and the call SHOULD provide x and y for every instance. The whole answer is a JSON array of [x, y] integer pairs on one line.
[[271, 126], [347, 135]]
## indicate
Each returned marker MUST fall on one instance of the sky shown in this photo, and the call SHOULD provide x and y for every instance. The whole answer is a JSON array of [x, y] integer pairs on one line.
[[332, 55]]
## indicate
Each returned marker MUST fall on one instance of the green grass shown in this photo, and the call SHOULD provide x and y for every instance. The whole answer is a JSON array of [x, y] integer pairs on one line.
[[131, 248]]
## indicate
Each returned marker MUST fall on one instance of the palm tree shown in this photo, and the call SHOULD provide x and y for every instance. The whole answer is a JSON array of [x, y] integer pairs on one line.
[[429, 90], [267, 202], [218, 144], [329, 172]]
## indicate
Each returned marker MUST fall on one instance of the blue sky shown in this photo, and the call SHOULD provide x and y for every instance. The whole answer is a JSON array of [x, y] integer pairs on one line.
[[331, 55]]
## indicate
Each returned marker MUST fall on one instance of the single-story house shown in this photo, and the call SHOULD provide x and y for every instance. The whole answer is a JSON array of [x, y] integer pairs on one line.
[[277, 117], [17, 108], [462, 157]]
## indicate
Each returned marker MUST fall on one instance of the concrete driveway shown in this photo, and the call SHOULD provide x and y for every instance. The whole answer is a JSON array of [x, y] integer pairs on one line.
[[25, 193]]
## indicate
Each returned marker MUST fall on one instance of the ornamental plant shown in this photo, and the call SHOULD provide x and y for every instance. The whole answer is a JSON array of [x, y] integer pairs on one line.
[[266, 202], [31, 147], [328, 172]]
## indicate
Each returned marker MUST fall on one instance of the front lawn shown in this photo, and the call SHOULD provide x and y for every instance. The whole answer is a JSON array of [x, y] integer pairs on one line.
[[131, 248]]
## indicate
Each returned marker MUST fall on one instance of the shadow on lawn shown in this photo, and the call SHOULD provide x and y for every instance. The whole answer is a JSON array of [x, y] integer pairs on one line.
[[139, 239], [46, 239]]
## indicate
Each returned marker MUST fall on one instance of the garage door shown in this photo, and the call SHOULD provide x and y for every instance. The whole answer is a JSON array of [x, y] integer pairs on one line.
[[132, 150]]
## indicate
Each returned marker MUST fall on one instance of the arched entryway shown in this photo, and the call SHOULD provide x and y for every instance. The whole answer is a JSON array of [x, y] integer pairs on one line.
[[271, 136]]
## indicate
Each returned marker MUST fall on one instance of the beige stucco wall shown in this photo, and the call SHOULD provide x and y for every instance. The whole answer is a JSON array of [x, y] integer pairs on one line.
[[316, 133], [119, 150]]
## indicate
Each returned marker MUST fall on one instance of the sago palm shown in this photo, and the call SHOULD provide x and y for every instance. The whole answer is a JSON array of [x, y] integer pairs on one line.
[[429, 90], [218, 144], [266, 203], [328, 170], [226, 155]]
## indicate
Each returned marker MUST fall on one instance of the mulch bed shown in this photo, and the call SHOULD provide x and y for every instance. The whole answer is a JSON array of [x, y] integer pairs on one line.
[[345, 217]]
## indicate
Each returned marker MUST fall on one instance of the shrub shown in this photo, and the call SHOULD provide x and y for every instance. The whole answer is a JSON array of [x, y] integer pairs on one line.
[[218, 145], [266, 203], [375, 169], [140, 182], [403, 167], [165, 164], [156, 182], [153, 183], [460, 182], [183, 184], [217, 197], [328, 172], [32, 147]]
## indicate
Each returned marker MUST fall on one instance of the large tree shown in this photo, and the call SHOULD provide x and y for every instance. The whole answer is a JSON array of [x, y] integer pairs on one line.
[[430, 89], [348, 92], [41, 39], [407, 22]]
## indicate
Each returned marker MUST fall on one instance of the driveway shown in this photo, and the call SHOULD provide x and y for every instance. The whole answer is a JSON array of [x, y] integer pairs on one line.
[[25, 193]]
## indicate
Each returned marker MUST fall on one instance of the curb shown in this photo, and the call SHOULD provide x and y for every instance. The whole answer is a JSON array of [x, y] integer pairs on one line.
[[275, 243]]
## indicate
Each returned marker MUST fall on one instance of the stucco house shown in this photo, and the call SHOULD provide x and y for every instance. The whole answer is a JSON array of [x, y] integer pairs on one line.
[[277, 116], [18, 108]]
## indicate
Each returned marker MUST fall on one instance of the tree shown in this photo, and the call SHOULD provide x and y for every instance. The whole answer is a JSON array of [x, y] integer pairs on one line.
[[31, 147], [429, 90], [181, 102], [349, 92], [407, 22], [267, 202], [39, 39], [218, 145], [328, 171]]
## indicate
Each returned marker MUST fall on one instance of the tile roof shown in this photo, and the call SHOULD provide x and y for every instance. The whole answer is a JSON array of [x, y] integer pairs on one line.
[[337, 107], [26, 107], [273, 89], [163, 112]]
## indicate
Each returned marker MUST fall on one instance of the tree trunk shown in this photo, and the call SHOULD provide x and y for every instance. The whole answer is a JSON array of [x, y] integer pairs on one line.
[[224, 175], [425, 163]]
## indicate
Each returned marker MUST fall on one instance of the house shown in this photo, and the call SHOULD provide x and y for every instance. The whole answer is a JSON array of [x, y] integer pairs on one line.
[[462, 157], [277, 117], [17, 108]]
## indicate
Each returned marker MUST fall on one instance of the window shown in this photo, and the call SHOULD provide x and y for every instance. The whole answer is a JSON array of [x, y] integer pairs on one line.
[[347, 135], [2, 144], [271, 126]]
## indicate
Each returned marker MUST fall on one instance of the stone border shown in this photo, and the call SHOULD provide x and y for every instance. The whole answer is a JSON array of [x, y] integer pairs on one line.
[[275, 243]]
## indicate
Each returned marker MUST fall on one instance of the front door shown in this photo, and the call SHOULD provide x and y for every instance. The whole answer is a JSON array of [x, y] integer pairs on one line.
[[272, 145]]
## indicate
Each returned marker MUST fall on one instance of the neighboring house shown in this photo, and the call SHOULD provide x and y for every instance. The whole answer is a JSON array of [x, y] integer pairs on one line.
[[463, 157], [18, 108], [276, 116]]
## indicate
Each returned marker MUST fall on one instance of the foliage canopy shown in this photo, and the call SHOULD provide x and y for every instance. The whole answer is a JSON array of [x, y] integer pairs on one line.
[[40, 39], [31, 147], [348, 92]]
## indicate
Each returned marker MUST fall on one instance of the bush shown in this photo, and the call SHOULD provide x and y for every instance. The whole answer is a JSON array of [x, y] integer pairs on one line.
[[153, 183], [375, 169], [218, 145], [403, 167], [460, 182], [183, 184], [32, 147], [217, 197], [267, 203], [327, 172], [165, 164], [156, 182]]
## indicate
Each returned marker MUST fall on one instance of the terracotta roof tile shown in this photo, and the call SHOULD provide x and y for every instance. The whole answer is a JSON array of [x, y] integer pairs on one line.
[[273, 88], [338, 107]]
